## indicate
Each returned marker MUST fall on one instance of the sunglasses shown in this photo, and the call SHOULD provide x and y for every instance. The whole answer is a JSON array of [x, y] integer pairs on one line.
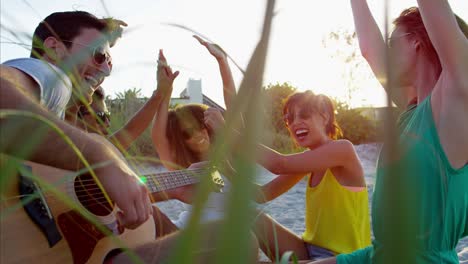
[[101, 116], [100, 55], [302, 114]]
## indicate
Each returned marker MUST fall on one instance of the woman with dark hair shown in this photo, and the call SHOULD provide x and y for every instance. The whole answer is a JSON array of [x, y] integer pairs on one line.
[[183, 136], [420, 201], [188, 135]]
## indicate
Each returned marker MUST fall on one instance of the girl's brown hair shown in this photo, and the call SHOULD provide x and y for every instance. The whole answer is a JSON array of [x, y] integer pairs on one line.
[[181, 122], [320, 104]]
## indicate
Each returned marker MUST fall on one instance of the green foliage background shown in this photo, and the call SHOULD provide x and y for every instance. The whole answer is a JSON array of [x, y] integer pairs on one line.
[[357, 127]]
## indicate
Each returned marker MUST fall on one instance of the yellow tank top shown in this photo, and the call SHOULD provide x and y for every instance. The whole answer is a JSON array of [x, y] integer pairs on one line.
[[336, 217]]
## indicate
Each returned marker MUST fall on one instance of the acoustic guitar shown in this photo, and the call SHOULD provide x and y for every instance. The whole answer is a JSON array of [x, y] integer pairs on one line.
[[59, 217]]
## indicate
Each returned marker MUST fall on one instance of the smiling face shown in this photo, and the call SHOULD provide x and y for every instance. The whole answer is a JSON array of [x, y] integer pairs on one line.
[[78, 43], [311, 119], [197, 140], [189, 138], [88, 66], [307, 126], [89, 69]]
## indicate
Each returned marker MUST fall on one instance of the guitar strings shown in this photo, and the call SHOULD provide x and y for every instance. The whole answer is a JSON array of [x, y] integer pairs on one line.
[[153, 179], [97, 201], [102, 200]]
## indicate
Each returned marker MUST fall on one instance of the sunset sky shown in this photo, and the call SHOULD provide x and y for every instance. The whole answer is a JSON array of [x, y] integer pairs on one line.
[[297, 54]]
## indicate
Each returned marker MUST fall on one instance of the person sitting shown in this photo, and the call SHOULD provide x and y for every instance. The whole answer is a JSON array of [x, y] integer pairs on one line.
[[337, 213], [71, 54], [183, 136]]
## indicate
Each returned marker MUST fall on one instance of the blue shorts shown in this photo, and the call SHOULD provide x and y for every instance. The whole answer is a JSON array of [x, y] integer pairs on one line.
[[316, 253]]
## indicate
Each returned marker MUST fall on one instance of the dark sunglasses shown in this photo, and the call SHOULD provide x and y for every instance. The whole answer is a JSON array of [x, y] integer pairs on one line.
[[302, 114], [101, 116], [100, 55]]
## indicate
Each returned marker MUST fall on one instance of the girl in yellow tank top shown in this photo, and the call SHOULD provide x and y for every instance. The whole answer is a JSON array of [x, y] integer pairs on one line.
[[337, 213]]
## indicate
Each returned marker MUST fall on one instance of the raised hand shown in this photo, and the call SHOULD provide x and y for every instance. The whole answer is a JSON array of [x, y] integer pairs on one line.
[[214, 49], [165, 76], [229, 88]]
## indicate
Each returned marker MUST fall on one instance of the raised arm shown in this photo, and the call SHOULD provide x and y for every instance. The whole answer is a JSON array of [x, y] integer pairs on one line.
[[158, 133], [229, 88], [373, 47], [450, 95], [448, 40], [118, 180], [141, 120]]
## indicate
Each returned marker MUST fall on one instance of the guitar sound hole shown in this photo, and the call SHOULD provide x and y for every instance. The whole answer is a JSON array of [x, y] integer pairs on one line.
[[91, 196]]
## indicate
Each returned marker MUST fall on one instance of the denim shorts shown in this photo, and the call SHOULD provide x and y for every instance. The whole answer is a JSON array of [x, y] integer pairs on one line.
[[316, 253]]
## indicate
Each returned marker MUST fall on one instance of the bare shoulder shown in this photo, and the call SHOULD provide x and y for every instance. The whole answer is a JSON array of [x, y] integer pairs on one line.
[[344, 150], [344, 145], [19, 79], [350, 155]]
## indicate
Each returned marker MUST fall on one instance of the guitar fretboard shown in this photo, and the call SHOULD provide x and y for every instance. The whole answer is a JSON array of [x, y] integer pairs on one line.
[[172, 179]]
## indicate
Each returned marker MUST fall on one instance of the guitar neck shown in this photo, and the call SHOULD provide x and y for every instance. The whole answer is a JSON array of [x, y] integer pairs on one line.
[[162, 181]]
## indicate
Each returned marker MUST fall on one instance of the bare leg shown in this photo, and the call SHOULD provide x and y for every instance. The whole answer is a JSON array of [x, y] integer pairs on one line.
[[265, 230], [164, 225]]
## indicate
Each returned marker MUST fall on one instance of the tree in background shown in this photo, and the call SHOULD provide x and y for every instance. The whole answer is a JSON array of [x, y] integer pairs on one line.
[[343, 46], [276, 134], [356, 127], [129, 100], [126, 104]]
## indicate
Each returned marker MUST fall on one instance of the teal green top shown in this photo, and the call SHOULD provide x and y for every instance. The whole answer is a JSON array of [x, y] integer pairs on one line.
[[420, 202]]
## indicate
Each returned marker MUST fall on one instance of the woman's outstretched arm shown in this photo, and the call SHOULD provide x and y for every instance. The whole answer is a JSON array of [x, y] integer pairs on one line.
[[126, 135], [229, 88], [158, 133]]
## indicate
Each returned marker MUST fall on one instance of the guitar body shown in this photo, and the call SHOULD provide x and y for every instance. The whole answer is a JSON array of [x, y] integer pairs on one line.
[[75, 239]]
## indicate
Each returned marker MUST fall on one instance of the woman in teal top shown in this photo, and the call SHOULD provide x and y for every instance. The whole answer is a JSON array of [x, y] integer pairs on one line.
[[420, 202]]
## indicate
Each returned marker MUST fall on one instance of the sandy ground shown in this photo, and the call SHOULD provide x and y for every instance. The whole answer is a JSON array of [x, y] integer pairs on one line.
[[288, 209]]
